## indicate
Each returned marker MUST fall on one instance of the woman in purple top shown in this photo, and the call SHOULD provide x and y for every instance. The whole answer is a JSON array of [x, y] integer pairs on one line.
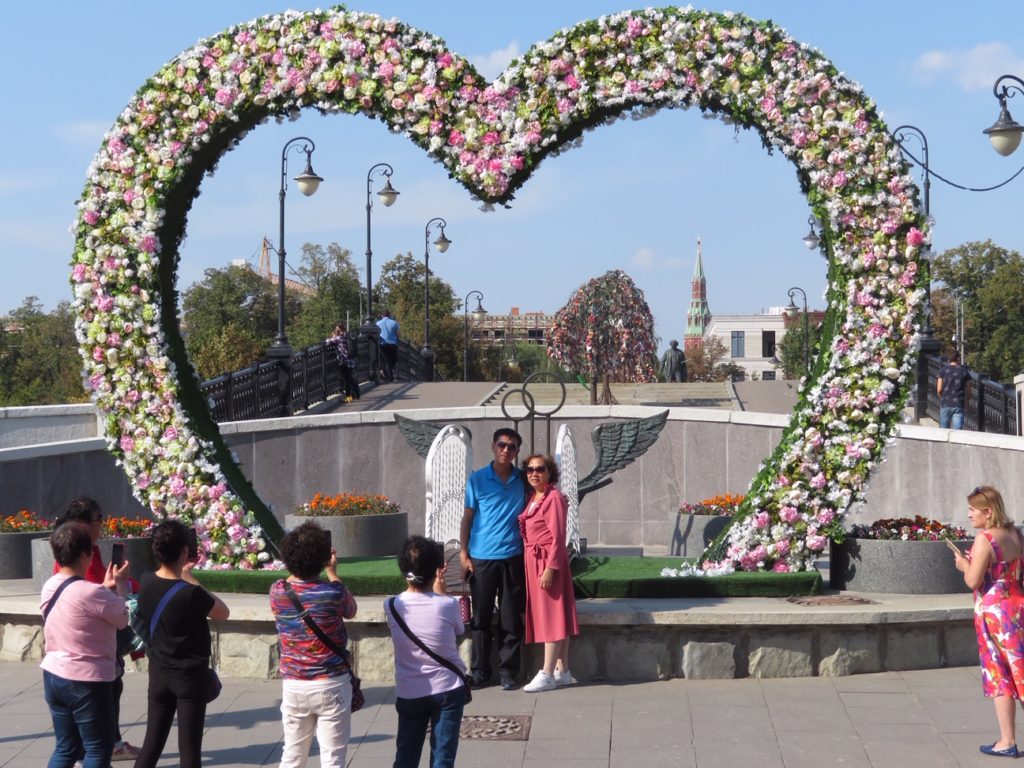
[[426, 692], [316, 686]]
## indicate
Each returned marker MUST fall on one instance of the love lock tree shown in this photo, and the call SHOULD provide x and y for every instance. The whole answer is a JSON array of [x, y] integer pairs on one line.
[[606, 333]]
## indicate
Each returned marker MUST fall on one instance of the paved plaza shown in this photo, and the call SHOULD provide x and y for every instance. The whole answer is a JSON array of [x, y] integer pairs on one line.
[[931, 718]]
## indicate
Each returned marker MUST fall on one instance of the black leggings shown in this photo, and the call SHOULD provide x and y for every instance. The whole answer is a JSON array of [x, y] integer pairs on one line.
[[170, 692]]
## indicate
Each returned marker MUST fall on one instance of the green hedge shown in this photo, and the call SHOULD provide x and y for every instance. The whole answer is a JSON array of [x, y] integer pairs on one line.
[[593, 577]]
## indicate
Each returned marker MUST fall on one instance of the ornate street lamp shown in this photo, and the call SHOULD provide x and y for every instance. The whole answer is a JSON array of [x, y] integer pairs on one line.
[[308, 183], [478, 316], [387, 196], [790, 311], [812, 240], [441, 243], [1005, 133]]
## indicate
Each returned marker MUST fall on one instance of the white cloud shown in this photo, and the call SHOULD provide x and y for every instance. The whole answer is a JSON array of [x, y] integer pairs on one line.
[[80, 131], [972, 69], [649, 260], [492, 64]]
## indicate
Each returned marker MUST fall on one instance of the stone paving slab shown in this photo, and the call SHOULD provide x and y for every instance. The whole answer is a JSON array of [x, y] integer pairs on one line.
[[929, 717]]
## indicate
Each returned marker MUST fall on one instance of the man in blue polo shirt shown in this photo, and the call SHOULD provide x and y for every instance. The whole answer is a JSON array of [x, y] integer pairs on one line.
[[492, 559], [388, 344]]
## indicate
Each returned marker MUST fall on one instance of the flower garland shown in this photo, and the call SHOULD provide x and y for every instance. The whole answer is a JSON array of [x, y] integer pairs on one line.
[[605, 328], [491, 136]]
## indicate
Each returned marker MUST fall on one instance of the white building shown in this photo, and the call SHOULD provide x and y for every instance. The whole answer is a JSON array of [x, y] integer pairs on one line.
[[750, 341]]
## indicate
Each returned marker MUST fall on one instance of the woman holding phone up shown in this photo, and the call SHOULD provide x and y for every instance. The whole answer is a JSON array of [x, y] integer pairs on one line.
[[993, 570]]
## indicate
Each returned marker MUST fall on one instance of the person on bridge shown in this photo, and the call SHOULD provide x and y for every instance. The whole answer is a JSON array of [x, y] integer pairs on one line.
[[993, 569], [673, 363], [389, 345], [951, 388], [345, 350], [491, 554]]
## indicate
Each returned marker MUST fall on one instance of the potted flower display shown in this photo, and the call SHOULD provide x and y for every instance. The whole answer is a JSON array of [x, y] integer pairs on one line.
[[907, 555], [361, 525], [698, 524], [17, 532], [133, 533]]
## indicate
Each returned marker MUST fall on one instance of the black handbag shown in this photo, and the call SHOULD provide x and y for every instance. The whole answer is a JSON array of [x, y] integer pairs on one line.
[[423, 647], [358, 699]]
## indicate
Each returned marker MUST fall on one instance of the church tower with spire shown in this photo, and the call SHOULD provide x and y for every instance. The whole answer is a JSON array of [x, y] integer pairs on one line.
[[699, 314]]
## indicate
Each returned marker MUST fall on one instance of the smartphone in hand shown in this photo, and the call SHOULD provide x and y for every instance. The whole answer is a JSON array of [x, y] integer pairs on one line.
[[193, 544], [117, 554]]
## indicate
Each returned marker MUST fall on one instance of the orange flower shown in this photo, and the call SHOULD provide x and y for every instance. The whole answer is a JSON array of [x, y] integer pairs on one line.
[[347, 504]]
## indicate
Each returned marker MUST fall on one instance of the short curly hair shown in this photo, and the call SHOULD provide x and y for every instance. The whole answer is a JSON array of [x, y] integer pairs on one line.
[[306, 551], [419, 560], [69, 542], [80, 510]]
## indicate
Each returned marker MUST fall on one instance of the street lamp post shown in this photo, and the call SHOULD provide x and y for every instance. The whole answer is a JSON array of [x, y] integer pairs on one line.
[[812, 240], [791, 310], [387, 196], [308, 183], [478, 314], [441, 243], [1005, 133]]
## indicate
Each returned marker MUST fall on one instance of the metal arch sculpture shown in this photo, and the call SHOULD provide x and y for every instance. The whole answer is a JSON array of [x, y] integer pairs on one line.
[[449, 462], [132, 216]]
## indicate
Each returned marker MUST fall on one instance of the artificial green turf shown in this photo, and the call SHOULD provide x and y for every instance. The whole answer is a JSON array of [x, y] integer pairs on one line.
[[593, 577]]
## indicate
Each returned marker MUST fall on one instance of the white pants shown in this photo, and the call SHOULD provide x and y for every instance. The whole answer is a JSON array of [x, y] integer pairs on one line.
[[323, 706]]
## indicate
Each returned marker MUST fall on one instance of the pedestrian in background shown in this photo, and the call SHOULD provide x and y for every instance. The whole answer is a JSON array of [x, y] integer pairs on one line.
[[951, 387], [389, 345]]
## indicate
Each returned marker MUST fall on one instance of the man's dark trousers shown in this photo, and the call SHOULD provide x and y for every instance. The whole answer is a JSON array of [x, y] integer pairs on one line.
[[503, 579]]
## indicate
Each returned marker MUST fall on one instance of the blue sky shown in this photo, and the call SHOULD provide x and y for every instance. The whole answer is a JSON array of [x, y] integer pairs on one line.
[[635, 195]]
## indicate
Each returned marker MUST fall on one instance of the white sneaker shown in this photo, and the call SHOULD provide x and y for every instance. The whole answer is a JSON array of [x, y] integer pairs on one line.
[[563, 679], [541, 682]]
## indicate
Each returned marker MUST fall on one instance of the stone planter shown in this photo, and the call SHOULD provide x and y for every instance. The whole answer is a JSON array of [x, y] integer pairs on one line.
[[16, 553], [903, 567], [138, 551], [694, 532], [360, 535]]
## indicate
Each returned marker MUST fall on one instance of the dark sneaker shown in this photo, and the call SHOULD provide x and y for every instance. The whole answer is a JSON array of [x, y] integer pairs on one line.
[[509, 684], [478, 680]]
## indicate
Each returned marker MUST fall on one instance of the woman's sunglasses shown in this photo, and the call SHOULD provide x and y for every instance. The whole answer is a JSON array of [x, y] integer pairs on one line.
[[536, 470]]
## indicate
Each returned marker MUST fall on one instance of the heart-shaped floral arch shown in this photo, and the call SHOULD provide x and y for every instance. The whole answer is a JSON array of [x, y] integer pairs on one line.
[[490, 137]]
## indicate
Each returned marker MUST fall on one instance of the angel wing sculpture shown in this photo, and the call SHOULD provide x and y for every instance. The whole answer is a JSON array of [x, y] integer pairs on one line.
[[618, 444], [421, 434]]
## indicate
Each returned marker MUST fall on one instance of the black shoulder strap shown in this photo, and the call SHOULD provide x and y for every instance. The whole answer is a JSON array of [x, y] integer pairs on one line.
[[422, 646], [311, 623], [57, 592]]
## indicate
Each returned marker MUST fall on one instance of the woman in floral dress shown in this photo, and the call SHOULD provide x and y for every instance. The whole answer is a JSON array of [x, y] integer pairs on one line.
[[993, 569]]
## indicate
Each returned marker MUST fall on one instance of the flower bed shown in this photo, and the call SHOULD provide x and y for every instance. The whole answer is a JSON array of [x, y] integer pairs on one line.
[[898, 555], [697, 525], [361, 525]]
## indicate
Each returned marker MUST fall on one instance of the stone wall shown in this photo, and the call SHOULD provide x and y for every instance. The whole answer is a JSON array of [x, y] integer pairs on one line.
[[700, 453], [37, 424]]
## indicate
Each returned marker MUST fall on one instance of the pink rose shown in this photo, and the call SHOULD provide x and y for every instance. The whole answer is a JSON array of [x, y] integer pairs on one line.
[[915, 236]]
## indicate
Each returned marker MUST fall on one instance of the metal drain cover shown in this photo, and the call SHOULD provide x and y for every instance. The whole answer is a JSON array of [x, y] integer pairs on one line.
[[831, 600], [495, 727]]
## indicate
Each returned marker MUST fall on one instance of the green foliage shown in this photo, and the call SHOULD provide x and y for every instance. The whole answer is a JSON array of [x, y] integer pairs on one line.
[[335, 294], [39, 358], [400, 290], [790, 350], [704, 362], [989, 282]]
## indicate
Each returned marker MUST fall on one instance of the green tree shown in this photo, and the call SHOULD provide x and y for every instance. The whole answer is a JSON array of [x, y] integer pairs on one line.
[[232, 302], [333, 281], [790, 350], [704, 359], [39, 359], [400, 289], [987, 281]]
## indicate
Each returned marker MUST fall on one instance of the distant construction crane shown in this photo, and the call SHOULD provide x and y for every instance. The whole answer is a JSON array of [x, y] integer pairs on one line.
[[270, 275]]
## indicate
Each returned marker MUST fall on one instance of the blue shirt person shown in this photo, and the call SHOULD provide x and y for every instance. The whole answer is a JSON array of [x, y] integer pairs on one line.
[[388, 344], [492, 559]]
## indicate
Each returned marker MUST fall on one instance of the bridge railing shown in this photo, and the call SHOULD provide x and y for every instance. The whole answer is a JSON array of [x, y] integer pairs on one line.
[[271, 388], [989, 406]]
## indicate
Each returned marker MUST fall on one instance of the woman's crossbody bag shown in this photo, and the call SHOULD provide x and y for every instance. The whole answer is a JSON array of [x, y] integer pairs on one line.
[[358, 699], [422, 646]]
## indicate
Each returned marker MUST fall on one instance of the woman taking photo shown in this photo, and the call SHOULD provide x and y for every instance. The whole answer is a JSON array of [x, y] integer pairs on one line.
[[80, 623], [430, 688], [550, 603], [316, 680], [993, 570], [179, 647]]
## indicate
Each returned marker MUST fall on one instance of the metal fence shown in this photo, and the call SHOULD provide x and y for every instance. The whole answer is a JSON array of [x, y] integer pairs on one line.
[[989, 406], [272, 388]]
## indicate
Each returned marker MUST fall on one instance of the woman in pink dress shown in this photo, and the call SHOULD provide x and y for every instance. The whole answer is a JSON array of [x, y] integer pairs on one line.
[[550, 603], [993, 570]]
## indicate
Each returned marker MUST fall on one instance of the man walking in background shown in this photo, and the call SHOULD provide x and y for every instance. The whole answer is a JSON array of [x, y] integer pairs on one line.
[[951, 387], [388, 344]]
